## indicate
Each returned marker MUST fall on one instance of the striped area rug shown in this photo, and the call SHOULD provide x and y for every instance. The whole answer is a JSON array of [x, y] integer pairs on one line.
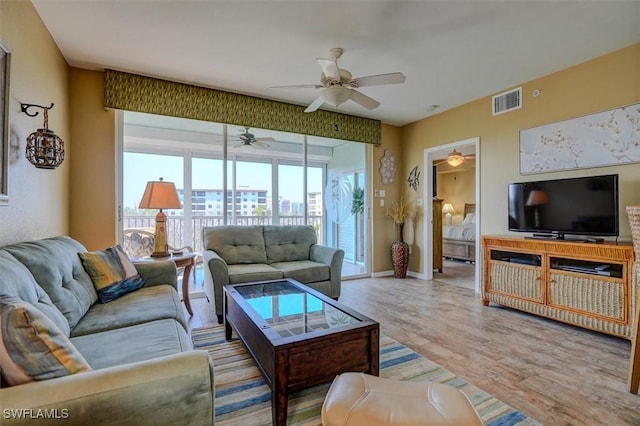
[[243, 398]]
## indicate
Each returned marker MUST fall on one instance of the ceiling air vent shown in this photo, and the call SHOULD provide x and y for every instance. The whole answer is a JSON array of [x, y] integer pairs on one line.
[[507, 101]]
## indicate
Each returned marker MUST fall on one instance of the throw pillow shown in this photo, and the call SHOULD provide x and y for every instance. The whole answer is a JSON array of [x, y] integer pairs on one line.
[[112, 273], [32, 348], [469, 219]]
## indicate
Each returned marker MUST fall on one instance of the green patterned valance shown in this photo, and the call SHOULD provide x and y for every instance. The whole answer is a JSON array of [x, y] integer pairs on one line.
[[133, 92]]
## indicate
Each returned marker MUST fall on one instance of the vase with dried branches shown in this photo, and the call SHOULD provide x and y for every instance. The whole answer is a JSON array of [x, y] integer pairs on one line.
[[400, 211]]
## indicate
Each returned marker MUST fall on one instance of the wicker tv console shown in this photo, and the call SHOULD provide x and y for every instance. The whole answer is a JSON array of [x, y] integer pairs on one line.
[[584, 284]]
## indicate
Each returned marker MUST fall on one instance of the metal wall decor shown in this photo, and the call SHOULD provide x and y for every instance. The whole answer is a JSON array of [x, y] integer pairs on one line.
[[414, 178], [387, 167], [45, 149]]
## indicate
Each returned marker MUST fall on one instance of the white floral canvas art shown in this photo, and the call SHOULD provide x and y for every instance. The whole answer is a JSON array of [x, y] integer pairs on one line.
[[602, 139]]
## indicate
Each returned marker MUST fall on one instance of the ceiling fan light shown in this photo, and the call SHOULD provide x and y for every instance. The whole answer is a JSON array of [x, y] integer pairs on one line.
[[336, 95], [454, 159]]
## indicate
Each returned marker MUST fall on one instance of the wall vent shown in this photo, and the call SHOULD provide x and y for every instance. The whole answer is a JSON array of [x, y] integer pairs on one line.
[[507, 101]]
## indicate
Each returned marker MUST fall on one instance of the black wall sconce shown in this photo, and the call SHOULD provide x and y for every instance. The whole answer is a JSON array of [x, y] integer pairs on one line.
[[45, 149]]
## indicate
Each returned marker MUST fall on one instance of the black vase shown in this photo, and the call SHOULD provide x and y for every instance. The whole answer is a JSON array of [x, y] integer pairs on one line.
[[400, 254]]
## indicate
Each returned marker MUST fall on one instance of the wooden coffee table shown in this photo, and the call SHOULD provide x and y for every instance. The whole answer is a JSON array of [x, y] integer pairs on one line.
[[298, 337]]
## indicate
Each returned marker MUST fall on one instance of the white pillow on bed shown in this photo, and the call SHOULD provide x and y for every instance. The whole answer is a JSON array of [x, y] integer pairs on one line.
[[469, 219]]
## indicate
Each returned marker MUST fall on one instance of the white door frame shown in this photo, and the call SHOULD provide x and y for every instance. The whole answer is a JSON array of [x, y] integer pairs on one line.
[[428, 206]]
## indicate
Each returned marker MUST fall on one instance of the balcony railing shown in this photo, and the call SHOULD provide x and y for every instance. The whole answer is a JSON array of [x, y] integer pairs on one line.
[[175, 225]]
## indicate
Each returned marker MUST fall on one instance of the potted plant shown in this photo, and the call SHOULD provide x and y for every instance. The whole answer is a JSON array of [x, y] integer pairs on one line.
[[401, 210], [357, 205]]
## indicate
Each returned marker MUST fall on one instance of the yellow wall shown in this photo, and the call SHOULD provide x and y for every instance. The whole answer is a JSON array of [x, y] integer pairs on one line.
[[38, 198], [382, 230], [603, 83], [93, 171]]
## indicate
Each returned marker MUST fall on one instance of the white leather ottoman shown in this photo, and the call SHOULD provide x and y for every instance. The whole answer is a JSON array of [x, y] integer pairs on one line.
[[356, 399]]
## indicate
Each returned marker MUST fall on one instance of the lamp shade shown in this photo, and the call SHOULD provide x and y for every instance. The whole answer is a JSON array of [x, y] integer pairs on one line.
[[336, 95], [160, 195], [537, 198], [448, 208]]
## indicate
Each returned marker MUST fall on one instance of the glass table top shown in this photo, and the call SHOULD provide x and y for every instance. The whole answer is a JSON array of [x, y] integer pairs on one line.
[[290, 310]]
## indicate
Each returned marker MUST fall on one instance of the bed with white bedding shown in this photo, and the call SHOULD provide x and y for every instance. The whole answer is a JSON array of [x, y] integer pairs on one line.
[[458, 241]]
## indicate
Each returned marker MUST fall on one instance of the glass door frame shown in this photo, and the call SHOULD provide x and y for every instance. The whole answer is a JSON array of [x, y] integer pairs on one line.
[[189, 154]]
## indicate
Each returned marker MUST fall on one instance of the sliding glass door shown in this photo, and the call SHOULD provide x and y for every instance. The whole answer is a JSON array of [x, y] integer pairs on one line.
[[346, 205], [224, 177], [208, 198]]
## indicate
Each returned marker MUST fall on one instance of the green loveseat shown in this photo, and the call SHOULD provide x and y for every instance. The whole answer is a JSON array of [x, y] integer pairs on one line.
[[239, 254], [143, 366]]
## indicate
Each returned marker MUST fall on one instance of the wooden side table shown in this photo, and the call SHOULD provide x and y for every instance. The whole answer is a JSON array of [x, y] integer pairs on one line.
[[185, 260]]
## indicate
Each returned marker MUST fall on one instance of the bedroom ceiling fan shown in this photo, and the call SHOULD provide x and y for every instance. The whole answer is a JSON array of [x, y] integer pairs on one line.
[[338, 86], [455, 158], [249, 139]]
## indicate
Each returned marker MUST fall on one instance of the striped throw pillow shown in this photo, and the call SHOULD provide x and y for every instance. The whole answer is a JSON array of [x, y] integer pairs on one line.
[[32, 348], [111, 272]]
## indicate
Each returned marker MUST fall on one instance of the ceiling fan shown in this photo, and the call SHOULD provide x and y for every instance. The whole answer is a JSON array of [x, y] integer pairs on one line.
[[338, 85], [455, 158], [249, 139]]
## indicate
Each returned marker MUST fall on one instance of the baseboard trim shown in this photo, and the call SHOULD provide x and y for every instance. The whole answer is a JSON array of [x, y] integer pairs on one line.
[[382, 274], [196, 295], [391, 273], [416, 275]]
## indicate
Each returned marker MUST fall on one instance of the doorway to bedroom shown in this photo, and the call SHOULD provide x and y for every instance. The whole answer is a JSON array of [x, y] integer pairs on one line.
[[455, 181]]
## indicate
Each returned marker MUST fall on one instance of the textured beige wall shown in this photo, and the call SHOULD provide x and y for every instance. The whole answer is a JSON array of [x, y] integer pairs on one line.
[[383, 232], [600, 84], [93, 171], [38, 199]]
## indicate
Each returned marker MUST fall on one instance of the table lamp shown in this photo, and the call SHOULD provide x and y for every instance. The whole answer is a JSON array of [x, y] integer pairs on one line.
[[160, 195], [448, 209]]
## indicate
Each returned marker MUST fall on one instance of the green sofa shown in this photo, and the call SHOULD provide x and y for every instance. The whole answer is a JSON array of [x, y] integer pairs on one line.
[[239, 254], [143, 366]]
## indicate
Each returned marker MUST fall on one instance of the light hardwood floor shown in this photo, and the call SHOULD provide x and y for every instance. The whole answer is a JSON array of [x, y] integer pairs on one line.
[[556, 373]]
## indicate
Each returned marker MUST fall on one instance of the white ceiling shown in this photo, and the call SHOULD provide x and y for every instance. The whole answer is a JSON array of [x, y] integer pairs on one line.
[[451, 52]]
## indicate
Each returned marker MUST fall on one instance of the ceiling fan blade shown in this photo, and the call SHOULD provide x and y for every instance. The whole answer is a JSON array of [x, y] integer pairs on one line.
[[265, 139], [377, 80], [298, 86], [329, 68], [364, 100], [315, 104], [260, 144]]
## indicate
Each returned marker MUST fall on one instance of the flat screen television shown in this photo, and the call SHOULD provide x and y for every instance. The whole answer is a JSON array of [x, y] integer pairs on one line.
[[576, 206]]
